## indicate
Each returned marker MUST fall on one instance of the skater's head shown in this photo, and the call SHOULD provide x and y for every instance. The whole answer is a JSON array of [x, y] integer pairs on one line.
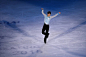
[[48, 13]]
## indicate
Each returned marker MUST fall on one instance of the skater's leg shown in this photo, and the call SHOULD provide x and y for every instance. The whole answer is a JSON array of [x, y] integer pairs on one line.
[[47, 30], [47, 34], [43, 29], [45, 39]]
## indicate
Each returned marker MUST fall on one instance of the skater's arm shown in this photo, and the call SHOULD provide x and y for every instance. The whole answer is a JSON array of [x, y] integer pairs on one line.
[[43, 12], [55, 15]]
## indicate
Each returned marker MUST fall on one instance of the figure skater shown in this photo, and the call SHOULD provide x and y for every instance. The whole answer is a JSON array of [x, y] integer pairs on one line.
[[47, 19]]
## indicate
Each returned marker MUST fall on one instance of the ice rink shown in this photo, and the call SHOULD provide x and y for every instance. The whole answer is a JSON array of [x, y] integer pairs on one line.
[[21, 23]]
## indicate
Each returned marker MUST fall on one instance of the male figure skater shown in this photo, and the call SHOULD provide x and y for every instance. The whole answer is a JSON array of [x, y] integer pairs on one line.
[[46, 23]]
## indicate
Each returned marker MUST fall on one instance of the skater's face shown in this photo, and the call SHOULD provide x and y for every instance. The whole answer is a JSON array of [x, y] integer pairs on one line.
[[48, 14]]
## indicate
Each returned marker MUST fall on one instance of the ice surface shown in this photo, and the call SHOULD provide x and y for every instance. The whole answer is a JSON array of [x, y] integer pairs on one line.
[[21, 24]]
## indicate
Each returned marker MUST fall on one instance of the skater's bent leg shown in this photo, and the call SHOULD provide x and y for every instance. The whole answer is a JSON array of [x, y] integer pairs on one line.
[[43, 30]]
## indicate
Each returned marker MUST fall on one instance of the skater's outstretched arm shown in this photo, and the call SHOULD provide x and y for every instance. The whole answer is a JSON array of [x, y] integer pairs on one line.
[[55, 15], [43, 12]]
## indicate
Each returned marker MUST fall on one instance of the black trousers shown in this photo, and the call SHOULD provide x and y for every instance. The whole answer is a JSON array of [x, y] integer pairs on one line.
[[45, 28]]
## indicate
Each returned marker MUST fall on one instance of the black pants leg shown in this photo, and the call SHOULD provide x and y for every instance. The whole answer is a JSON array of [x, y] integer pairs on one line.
[[45, 28]]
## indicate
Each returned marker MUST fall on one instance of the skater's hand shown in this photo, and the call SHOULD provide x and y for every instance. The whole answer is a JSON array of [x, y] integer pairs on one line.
[[42, 8], [59, 12]]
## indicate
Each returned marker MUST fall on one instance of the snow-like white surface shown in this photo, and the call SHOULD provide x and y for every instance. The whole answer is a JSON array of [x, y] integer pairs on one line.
[[67, 31]]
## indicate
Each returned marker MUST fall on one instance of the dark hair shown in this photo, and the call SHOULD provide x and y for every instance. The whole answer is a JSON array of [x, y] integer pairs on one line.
[[48, 12]]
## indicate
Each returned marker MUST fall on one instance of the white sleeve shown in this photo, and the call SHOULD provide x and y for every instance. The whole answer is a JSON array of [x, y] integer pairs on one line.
[[43, 12], [54, 16]]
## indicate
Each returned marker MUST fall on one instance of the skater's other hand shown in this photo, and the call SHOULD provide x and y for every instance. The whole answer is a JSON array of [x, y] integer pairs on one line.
[[42, 8], [59, 12]]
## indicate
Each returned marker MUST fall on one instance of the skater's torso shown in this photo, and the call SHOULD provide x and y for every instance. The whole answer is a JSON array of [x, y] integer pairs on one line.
[[47, 19]]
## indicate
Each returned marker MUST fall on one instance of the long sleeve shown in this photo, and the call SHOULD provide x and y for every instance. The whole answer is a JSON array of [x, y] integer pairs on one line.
[[54, 15], [43, 12]]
